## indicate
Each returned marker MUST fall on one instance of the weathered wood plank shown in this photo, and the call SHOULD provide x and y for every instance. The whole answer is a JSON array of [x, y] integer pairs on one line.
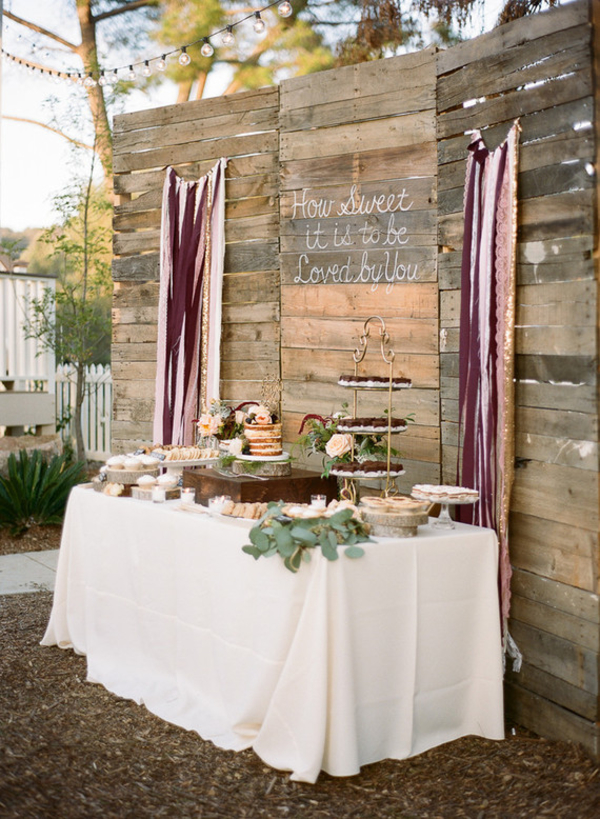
[[407, 300], [509, 36], [205, 127], [546, 618], [140, 334], [538, 125], [554, 565], [557, 691], [579, 454], [249, 369], [550, 720], [193, 111], [555, 340], [314, 364], [557, 423], [558, 493], [410, 336], [516, 104], [249, 351], [238, 169], [251, 257], [197, 150], [249, 287], [394, 75], [132, 351], [558, 657], [574, 397], [396, 162], [136, 268], [411, 129], [327, 398], [385, 268], [556, 368], [251, 331], [546, 153], [545, 58], [250, 313]]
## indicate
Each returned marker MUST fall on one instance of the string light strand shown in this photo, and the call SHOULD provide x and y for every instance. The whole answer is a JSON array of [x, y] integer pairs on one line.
[[110, 76]]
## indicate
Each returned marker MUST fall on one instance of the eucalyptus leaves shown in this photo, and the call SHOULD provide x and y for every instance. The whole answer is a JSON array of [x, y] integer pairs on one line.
[[294, 538]]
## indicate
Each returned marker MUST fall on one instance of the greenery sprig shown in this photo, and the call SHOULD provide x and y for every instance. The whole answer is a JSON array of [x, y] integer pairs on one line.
[[294, 538]]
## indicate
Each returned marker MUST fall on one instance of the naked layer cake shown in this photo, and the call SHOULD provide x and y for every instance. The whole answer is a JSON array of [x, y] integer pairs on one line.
[[373, 382], [264, 440], [444, 494], [367, 425]]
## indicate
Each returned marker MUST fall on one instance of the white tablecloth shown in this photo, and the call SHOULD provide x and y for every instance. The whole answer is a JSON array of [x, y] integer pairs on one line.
[[340, 665]]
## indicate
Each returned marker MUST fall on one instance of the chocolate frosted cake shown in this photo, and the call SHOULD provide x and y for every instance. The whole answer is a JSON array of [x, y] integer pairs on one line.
[[367, 469], [369, 425], [373, 382]]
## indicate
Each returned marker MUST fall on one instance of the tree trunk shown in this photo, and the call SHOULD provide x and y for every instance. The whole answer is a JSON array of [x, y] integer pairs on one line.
[[79, 395], [89, 55]]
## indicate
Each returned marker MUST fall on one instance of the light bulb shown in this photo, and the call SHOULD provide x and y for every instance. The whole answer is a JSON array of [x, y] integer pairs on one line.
[[228, 37], [184, 57], [113, 77], [89, 81], [79, 79], [285, 9], [207, 50], [161, 64], [131, 75], [102, 80], [259, 23], [146, 70]]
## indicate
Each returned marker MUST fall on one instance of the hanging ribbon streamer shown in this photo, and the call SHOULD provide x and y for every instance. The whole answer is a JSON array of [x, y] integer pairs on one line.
[[189, 311], [487, 323]]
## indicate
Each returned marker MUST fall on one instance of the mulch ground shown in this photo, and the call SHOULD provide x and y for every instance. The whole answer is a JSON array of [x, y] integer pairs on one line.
[[70, 749]]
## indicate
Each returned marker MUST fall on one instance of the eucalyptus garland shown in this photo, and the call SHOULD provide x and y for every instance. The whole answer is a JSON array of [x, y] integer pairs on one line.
[[295, 538]]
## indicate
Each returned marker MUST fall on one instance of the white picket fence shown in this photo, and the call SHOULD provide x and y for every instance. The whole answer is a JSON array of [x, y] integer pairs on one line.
[[97, 408]]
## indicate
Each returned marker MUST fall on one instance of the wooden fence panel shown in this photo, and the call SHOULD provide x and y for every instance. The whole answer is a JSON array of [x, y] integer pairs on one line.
[[358, 234], [191, 138], [540, 70]]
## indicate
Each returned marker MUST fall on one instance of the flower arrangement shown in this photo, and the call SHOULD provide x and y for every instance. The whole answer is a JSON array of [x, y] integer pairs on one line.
[[322, 437], [221, 421], [260, 415]]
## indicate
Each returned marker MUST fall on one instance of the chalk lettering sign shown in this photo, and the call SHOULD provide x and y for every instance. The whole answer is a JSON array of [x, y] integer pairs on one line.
[[356, 239]]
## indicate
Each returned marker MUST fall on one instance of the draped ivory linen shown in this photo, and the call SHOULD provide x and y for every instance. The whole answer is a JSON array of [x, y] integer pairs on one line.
[[192, 250], [487, 350]]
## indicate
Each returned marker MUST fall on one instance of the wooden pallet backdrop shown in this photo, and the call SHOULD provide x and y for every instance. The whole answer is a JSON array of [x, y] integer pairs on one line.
[[191, 138], [341, 179], [540, 70]]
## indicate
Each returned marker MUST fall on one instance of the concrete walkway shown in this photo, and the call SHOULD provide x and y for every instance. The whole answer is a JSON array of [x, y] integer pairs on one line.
[[28, 572]]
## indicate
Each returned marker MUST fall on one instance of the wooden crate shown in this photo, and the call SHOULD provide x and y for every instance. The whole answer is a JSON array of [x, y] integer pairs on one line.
[[297, 488]]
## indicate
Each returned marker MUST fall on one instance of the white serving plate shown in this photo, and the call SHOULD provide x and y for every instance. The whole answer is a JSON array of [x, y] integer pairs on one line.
[[283, 457]]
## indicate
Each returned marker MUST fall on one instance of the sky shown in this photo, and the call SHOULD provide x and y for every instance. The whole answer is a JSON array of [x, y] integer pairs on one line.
[[35, 163]]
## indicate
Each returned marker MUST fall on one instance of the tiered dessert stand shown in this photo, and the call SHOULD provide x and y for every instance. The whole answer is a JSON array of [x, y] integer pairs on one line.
[[388, 385]]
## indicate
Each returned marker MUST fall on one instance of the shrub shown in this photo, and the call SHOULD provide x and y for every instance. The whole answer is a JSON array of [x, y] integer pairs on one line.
[[36, 490]]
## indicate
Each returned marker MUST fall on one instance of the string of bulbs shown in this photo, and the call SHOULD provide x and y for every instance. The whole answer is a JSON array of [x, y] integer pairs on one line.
[[111, 76]]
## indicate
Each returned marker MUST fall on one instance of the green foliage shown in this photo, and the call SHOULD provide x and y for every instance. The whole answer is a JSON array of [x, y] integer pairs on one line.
[[36, 490], [295, 538]]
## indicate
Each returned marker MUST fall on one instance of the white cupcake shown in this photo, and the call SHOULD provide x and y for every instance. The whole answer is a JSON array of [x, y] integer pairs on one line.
[[145, 481], [149, 460], [116, 462], [132, 462], [167, 481]]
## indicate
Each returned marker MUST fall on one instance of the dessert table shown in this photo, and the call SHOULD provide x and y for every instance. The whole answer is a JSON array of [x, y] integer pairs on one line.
[[343, 664]]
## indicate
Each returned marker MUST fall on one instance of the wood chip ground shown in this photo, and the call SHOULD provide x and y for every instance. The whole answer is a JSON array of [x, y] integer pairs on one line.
[[69, 749]]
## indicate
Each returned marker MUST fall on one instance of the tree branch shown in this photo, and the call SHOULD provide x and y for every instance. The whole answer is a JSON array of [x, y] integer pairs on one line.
[[135, 4], [50, 128], [40, 30]]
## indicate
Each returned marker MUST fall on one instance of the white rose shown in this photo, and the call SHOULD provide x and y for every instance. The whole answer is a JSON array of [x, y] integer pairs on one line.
[[235, 446], [338, 445], [240, 416]]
